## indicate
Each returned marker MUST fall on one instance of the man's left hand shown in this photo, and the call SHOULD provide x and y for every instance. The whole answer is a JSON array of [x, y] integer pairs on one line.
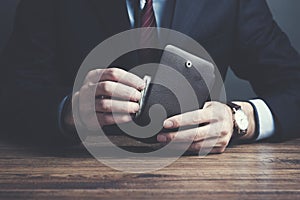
[[215, 130]]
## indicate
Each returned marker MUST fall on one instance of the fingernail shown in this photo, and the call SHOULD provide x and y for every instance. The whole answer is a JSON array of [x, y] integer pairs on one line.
[[161, 138], [136, 107], [168, 124], [142, 85], [137, 96]]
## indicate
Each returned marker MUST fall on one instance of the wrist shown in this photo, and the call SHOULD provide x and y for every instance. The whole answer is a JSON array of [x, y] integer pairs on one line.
[[249, 111]]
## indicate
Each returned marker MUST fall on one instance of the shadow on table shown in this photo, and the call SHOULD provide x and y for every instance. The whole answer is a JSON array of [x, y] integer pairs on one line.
[[59, 149]]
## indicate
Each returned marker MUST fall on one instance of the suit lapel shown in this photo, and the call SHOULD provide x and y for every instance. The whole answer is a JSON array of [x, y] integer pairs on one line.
[[112, 14]]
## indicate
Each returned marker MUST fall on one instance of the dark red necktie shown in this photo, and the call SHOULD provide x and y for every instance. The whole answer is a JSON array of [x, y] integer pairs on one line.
[[148, 34], [147, 15]]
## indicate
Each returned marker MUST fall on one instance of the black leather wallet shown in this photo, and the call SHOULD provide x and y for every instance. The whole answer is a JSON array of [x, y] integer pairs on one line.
[[184, 83]]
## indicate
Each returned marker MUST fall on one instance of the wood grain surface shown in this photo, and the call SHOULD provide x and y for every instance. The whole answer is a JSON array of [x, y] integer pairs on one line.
[[252, 171]]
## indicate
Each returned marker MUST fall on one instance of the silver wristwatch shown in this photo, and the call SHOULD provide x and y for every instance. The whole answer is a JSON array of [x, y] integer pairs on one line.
[[240, 120]]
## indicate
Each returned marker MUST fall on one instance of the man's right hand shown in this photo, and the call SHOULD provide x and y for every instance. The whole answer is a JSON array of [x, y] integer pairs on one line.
[[113, 90]]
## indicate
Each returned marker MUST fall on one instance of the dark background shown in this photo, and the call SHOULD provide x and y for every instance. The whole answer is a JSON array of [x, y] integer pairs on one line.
[[286, 13]]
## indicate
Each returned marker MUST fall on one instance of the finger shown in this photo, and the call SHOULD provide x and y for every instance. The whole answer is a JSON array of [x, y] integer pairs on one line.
[[201, 147], [208, 144], [115, 75], [218, 150], [124, 77], [208, 104], [92, 122], [116, 106], [90, 118], [117, 90], [191, 118], [191, 135]]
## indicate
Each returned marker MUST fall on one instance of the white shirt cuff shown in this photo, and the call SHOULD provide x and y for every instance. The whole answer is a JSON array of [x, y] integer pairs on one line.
[[265, 119]]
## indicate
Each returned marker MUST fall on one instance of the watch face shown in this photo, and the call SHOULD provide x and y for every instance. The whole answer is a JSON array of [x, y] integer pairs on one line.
[[241, 120]]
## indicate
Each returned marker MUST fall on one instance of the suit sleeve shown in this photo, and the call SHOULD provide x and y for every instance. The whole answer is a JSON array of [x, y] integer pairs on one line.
[[265, 57], [33, 86]]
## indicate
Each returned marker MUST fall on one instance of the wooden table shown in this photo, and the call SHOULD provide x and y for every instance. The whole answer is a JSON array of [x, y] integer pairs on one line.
[[256, 171]]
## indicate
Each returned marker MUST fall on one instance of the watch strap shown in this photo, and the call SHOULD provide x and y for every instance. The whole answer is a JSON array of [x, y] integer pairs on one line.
[[234, 106], [236, 131]]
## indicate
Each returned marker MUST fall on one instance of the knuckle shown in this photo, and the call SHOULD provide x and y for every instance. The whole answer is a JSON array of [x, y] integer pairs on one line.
[[84, 88], [224, 133], [198, 134], [89, 75], [170, 136], [224, 143], [222, 150], [208, 104], [105, 88], [93, 76], [112, 73], [84, 94], [217, 151], [176, 122], [104, 106]]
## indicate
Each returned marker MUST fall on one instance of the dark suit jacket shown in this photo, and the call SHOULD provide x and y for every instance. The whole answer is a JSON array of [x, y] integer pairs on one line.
[[52, 37]]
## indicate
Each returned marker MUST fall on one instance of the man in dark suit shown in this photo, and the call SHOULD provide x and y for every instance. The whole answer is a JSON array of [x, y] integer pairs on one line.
[[52, 37]]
